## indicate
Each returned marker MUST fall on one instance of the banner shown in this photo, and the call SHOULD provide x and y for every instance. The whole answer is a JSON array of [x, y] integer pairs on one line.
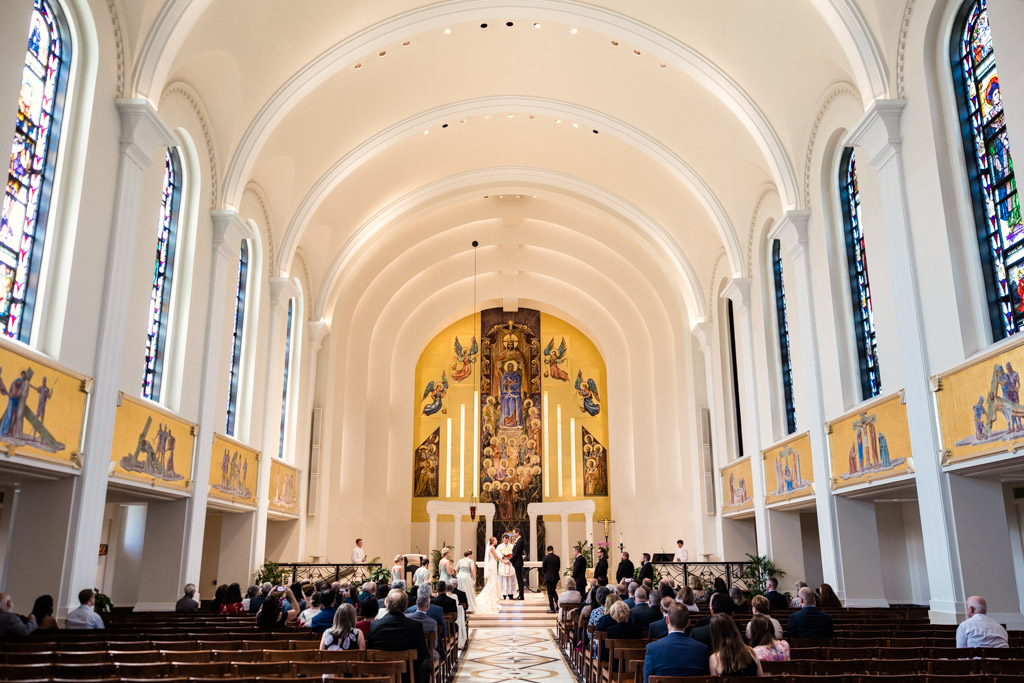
[[284, 488], [737, 487]]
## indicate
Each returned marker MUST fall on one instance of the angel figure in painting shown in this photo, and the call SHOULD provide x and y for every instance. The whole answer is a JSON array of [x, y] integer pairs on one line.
[[436, 391], [588, 392], [554, 358], [462, 366]]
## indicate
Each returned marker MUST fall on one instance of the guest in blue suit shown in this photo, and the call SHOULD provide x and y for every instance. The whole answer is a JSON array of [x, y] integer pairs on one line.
[[659, 629], [677, 654], [809, 622]]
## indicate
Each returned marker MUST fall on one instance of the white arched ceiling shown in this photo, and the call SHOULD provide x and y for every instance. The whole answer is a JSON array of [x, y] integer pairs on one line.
[[489, 105]]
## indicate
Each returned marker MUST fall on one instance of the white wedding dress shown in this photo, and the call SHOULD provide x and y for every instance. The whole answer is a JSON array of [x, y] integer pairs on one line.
[[489, 599]]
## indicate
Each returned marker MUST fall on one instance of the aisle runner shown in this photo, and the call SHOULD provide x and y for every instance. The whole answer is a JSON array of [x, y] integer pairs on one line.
[[513, 654]]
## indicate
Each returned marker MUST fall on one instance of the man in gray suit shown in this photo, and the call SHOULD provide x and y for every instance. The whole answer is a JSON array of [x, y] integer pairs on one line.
[[429, 625]]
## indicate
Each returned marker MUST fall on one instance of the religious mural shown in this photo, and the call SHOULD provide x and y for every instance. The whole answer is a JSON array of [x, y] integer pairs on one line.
[[462, 361], [788, 472], [555, 359], [234, 471], [595, 466], [426, 466], [44, 410], [870, 443], [589, 398], [433, 396], [737, 487], [151, 445], [980, 411], [283, 495]]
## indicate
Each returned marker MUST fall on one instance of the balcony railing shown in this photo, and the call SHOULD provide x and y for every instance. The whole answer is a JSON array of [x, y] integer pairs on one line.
[[707, 572], [346, 573]]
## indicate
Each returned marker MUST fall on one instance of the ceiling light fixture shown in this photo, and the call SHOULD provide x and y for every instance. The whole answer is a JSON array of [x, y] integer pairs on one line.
[[407, 43], [359, 66], [483, 25], [508, 23], [575, 125], [447, 32], [511, 116], [615, 42], [636, 52], [574, 31], [426, 132], [487, 116], [463, 120], [558, 120], [663, 65], [536, 24], [382, 53]]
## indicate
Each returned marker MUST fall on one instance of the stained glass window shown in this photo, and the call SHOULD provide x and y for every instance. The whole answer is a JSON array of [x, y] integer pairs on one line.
[[735, 378], [241, 287], [30, 176], [287, 363], [990, 169], [784, 355], [163, 271], [860, 285]]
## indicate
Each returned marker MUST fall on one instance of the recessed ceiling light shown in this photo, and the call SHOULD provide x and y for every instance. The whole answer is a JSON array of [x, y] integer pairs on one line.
[[536, 24], [534, 196], [574, 31], [483, 25], [463, 120], [531, 117], [487, 116], [575, 125], [663, 65], [359, 66], [593, 131], [382, 53], [615, 42], [511, 116], [636, 52], [446, 125], [447, 32], [508, 23], [407, 43], [426, 132], [558, 120]]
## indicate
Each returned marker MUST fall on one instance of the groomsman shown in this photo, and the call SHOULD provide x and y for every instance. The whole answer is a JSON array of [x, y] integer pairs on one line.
[[646, 569], [625, 569], [579, 570], [517, 560], [550, 568], [601, 568]]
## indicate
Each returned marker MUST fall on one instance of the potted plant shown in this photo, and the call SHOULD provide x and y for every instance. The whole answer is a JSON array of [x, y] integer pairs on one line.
[[757, 569], [271, 573]]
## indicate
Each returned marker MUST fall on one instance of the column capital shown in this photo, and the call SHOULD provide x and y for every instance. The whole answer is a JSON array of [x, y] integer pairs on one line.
[[703, 333], [142, 130], [229, 229], [792, 231], [738, 292], [878, 131], [315, 333], [281, 290]]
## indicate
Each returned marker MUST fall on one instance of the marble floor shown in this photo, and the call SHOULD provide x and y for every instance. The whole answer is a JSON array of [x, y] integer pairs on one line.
[[513, 654]]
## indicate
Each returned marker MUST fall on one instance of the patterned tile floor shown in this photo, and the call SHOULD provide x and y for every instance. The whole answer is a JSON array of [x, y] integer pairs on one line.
[[513, 654]]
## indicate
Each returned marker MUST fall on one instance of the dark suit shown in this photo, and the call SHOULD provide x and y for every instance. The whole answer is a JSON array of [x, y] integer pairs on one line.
[[645, 615], [777, 601], [460, 596], [446, 603], [550, 566], [579, 573], [601, 569], [623, 631], [810, 622], [254, 603], [397, 632], [625, 569], [646, 572], [429, 626], [676, 655], [517, 563], [435, 613], [702, 634], [657, 629]]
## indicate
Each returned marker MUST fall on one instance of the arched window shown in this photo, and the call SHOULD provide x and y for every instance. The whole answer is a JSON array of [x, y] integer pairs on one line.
[[989, 168], [784, 355], [735, 378], [287, 364], [33, 161], [241, 290], [163, 272], [860, 285]]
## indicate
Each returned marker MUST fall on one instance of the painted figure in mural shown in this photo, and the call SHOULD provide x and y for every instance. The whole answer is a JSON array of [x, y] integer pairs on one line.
[[436, 391], [511, 396], [46, 393], [787, 478], [588, 392], [16, 392], [462, 366], [490, 411], [554, 358], [225, 468], [426, 463], [732, 489]]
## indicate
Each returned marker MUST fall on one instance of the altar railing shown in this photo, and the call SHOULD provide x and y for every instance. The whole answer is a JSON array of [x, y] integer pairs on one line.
[[350, 573], [707, 572]]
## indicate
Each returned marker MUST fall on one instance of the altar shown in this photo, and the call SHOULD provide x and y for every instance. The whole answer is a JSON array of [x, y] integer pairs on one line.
[[563, 510]]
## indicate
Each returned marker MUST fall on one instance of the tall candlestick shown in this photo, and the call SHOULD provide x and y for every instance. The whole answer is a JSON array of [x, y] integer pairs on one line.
[[572, 454], [448, 463], [476, 444]]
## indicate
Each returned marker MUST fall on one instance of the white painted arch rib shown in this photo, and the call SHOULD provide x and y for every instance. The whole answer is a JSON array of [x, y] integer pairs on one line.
[[445, 188], [489, 105]]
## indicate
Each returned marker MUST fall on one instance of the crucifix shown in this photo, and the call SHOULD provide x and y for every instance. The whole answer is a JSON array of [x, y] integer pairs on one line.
[[606, 522]]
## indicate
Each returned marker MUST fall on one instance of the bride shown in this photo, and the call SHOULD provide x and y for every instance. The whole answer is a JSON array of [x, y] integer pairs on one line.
[[487, 602]]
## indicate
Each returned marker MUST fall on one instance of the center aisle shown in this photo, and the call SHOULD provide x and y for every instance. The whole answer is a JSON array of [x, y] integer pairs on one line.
[[516, 645]]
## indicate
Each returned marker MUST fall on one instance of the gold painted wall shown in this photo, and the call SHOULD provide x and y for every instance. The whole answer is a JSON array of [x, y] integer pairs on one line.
[[234, 471], [737, 486], [980, 411], [434, 453], [788, 472], [871, 443], [44, 409], [283, 495], [151, 445]]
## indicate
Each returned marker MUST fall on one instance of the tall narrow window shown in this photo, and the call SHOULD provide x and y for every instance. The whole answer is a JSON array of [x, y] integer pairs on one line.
[[287, 364], [33, 162], [735, 378], [163, 271], [990, 169], [241, 288], [784, 355], [860, 285]]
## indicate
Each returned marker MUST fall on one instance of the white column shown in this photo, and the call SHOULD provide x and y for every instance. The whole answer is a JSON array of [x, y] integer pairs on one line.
[[588, 521], [565, 538], [878, 133], [704, 333], [488, 527], [311, 341], [432, 538], [792, 232], [281, 290], [228, 232], [738, 291], [142, 133], [533, 533]]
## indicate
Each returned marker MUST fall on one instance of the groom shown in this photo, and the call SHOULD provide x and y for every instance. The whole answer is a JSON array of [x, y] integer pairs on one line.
[[517, 560]]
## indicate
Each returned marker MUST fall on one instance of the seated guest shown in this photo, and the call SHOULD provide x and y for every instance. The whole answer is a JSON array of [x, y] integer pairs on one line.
[[367, 613], [369, 588], [644, 614], [659, 629], [688, 599], [299, 594], [738, 601], [83, 616], [254, 603], [218, 597], [827, 599], [600, 595], [731, 657], [396, 632], [13, 625], [570, 595], [761, 633], [979, 629], [250, 593], [776, 600], [42, 610], [186, 603], [759, 605], [419, 613], [343, 634], [795, 602], [809, 622], [700, 596], [630, 600], [720, 588], [447, 604], [325, 618], [676, 654], [232, 603], [604, 621], [306, 616], [460, 595], [434, 611], [277, 610], [666, 588], [701, 631], [620, 627]]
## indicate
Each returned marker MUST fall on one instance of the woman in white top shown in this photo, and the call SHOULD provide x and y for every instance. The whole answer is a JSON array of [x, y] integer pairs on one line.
[[488, 601], [307, 614], [467, 579], [398, 570], [422, 574]]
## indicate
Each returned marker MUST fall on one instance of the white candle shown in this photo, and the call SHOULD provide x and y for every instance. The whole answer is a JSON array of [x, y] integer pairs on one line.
[[558, 421], [476, 443], [572, 454]]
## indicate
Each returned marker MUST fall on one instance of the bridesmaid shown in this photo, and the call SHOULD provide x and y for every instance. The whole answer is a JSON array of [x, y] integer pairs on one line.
[[445, 569]]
